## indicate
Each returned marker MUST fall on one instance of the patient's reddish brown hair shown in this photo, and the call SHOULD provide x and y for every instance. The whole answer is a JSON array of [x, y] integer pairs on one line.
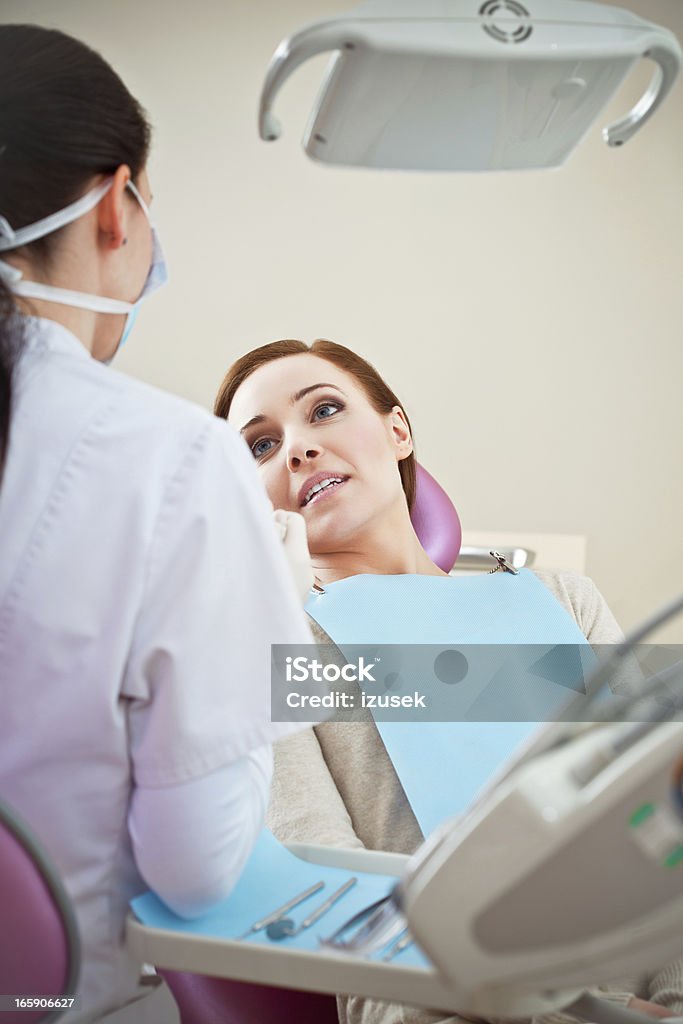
[[378, 392]]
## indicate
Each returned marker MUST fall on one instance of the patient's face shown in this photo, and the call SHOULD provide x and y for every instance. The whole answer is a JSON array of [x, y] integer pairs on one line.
[[321, 448]]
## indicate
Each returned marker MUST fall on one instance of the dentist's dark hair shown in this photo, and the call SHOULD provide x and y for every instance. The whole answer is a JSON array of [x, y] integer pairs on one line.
[[65, 117]]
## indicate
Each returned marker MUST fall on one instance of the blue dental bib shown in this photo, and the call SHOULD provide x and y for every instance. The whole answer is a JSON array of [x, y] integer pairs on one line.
[[443, 764]]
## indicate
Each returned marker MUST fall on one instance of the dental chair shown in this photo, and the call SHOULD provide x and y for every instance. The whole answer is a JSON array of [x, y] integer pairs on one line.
[[39, 941], [205, 1000]]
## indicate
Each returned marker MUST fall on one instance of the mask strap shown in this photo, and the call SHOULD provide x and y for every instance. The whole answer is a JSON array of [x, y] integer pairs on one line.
[[11, 239], [64, 296], [143, 204], [82, 300]]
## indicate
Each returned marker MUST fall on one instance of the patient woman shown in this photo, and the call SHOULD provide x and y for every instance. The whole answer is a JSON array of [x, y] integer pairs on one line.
[[332, 442]]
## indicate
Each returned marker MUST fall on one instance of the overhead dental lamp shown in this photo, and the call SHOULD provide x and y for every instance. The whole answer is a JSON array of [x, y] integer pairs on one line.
[[461, 85]]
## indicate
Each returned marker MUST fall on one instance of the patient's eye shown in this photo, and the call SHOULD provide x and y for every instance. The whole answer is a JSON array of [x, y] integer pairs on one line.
[[326, 410], [261, 447]]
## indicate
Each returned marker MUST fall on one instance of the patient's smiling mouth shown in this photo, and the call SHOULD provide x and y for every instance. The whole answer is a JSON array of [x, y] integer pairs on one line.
[[320, 486]]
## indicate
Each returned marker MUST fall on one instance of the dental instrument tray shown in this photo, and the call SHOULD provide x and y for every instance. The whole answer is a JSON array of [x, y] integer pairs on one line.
[[225, 944], [462, 85]]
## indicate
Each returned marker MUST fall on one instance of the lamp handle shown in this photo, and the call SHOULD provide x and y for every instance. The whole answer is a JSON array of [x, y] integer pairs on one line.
[[317, 38], [668, 57]]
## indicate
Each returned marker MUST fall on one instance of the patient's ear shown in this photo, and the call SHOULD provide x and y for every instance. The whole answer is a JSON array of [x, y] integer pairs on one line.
[[400, 433]]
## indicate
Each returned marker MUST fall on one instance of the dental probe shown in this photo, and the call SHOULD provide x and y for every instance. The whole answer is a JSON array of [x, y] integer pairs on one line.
[[283, 927], [294, 902]]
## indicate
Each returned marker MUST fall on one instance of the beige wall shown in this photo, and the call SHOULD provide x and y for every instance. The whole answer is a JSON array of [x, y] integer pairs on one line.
[[531, 322]]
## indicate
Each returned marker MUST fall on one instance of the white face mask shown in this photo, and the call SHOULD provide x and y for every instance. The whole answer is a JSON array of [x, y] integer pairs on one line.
[[13, 278]]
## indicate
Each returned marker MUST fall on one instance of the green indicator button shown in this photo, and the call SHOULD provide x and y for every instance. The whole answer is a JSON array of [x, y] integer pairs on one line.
[[641, 814], [675, 857]]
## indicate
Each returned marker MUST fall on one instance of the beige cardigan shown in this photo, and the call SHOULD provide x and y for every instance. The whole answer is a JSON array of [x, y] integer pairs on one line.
[[335, 785]]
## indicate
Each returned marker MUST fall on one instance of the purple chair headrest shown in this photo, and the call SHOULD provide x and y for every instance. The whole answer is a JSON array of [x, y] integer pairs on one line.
[[436, 522]]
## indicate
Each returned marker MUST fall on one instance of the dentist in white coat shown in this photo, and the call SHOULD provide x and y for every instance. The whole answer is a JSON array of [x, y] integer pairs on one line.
[[135, 627]]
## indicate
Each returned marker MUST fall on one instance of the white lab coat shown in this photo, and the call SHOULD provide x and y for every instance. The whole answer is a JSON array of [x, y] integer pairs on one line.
[[141, 585]]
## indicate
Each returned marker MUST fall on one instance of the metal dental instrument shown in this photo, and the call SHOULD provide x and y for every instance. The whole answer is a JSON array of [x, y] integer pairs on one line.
[[376, 925], [284, 927], [368, 913], [257, 926], [401, 943]]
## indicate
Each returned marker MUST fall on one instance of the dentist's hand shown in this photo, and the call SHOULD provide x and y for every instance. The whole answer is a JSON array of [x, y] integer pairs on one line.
[[292, 530]]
